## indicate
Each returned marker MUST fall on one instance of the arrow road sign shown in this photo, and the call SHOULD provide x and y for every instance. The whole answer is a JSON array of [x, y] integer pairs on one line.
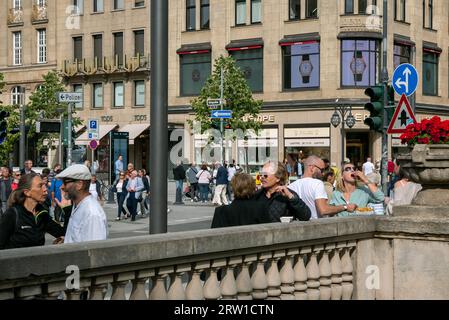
[[403, 116], [213, 103], [70, 97], [221, 114], [405, 79]]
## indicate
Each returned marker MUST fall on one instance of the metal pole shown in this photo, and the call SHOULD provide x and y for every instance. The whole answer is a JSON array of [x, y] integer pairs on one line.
[[384, 77], [221, 120], [158, 116], [342, 112], [61, 139], [69, 135], [22, 136]]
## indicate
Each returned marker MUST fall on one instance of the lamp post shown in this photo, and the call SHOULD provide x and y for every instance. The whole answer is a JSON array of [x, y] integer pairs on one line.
[[338, 117]]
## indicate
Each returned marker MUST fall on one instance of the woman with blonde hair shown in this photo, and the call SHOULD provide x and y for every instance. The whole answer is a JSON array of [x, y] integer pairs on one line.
[[354, 187]]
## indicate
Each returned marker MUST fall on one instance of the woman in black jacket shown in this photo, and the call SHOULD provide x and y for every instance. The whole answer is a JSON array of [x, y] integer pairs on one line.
[[119, 187], [244, 209], [26, 221], [280, 200]]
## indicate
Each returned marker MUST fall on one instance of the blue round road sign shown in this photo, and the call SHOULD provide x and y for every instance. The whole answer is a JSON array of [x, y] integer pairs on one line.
[[405, 79]]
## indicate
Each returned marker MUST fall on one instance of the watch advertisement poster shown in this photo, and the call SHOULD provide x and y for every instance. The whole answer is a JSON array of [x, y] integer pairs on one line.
[[305, 65], [359, 62]]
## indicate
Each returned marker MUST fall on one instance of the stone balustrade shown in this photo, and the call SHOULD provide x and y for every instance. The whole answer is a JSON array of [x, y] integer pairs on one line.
[[328, 259]]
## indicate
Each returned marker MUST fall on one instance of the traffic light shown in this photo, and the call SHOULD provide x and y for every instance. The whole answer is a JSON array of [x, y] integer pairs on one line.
[[391, 106], [3, 125], [375, 107]]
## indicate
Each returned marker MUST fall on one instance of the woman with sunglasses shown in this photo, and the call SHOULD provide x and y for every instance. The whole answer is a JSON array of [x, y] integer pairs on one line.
[[355, 188], [119, 187]]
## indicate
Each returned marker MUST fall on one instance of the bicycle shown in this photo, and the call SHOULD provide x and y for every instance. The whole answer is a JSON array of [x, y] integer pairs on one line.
[[105, 189]]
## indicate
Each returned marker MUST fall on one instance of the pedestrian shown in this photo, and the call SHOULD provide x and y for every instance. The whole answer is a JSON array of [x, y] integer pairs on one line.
[[404, 192], [145, 192], [279, 200], [130, 170], [119, 187], [56, 169], [28, 168], [179, 174], [15, 181], [289, 167], [310, 189], [220, 189], [118, 166], [55, 189], [355, 188], [299, 168], [329, 180], [193, 180], [134, 187], [87, 220], [26, 221], [231, 172], [95, 188], [368, 167], [245, 209], [5, 188], [204, 178]]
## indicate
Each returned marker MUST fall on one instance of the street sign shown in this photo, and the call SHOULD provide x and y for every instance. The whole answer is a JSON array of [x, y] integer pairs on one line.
[[70, 97], [403, 116], [92, 136], [213, 103], [405, 79], [221, 114], [93, 144], [93, 129]]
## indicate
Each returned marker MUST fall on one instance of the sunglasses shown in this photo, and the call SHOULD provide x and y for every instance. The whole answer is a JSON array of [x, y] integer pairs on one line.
[[321, 169], [348, 169], [264, 175]]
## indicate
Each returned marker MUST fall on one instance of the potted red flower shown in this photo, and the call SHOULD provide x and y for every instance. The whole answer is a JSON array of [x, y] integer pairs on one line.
[[433, 131]]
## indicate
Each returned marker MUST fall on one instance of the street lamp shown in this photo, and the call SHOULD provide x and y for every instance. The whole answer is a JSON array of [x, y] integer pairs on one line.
[[341, 116]]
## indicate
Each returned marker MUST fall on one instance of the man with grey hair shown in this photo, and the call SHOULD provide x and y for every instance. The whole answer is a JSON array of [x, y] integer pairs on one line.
[[222, 182], [312, 191]]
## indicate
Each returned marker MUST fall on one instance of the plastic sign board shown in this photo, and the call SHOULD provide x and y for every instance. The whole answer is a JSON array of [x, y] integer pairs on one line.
[[93, 144], [221, 114], [403, 116], [93, 128], [92, 136], [213, 103], [405, 79], [70, 97]]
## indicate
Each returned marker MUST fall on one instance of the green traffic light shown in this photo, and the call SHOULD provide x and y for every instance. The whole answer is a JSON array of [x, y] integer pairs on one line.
[[375, 107], [376, 93]]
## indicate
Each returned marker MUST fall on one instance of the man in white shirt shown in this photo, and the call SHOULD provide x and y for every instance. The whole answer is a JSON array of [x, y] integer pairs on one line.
[[368, 167], [87, 221], [311, 190]]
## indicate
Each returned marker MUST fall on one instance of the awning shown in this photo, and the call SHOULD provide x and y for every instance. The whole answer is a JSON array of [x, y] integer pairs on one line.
[[299, 39], [195, 48], [360, 35], [431, 47], [246, 44], [104, 130], [134, 130], [403, 40]]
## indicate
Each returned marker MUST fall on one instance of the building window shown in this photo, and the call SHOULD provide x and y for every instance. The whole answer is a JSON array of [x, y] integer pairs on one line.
[[41, 3], [427, 9], [430, 73], [79, 6], [190, 14], [359, 62], [204, 16], [301, 65], [363, 6], [195, 69], [430, 14], [118, 47], [42, 46], [98, 48], [119, 4], [98, 6], [139, 3], [17, 4], [401, 54], [139, 43], [240, 12], [311, 9], [78, 88], [251, 64], [17, 48], [294, 11], [139, 93], [97, 95], [399, 10], [78, 48], [349, 6], [17, 96], [118, 94], [256, 11]]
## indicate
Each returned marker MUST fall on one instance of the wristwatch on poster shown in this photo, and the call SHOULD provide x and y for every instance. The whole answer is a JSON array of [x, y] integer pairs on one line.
[[358, 66], [305, 68]]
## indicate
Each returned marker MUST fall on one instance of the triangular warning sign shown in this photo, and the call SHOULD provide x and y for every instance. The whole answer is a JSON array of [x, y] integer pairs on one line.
[[403, 116]]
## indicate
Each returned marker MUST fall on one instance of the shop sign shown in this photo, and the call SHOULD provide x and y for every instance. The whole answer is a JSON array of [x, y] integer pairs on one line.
[[261, 118], [307, 142], [306, 132], [255, 143]]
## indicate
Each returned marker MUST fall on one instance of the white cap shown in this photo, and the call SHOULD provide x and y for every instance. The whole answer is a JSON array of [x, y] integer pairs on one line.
[[76, 172]]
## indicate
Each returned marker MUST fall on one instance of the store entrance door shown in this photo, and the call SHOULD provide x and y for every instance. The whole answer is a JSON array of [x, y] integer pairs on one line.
[[357, 147]]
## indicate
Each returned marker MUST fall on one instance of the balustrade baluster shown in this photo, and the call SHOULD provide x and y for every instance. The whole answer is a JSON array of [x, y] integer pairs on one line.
[[347, 270], [274, 277], [313, 276], [138, 291], [55, 290], [81, 293], [288, 276], [228, 283], [194, 289], [325, 273], [176, 291], [336, 288], [259, 278], [212, 286], [301, 275], [121, 280], [244, 286]]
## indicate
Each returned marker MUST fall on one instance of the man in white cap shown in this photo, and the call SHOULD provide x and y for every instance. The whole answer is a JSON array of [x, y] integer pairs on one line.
[[87, 221]]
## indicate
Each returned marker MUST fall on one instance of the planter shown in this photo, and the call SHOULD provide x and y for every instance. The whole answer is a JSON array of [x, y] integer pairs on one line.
[[428, 165]]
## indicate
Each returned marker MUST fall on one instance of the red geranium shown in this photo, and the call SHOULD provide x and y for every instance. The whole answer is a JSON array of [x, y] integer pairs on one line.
[[429, 131]]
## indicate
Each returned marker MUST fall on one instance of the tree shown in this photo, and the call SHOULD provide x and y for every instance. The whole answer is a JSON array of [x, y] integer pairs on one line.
[[13, 120], [236, 94]]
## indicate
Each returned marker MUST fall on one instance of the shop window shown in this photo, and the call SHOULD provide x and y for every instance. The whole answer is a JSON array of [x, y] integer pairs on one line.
[[359, 63], [195, 69], [302, 65], [251, 64]]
